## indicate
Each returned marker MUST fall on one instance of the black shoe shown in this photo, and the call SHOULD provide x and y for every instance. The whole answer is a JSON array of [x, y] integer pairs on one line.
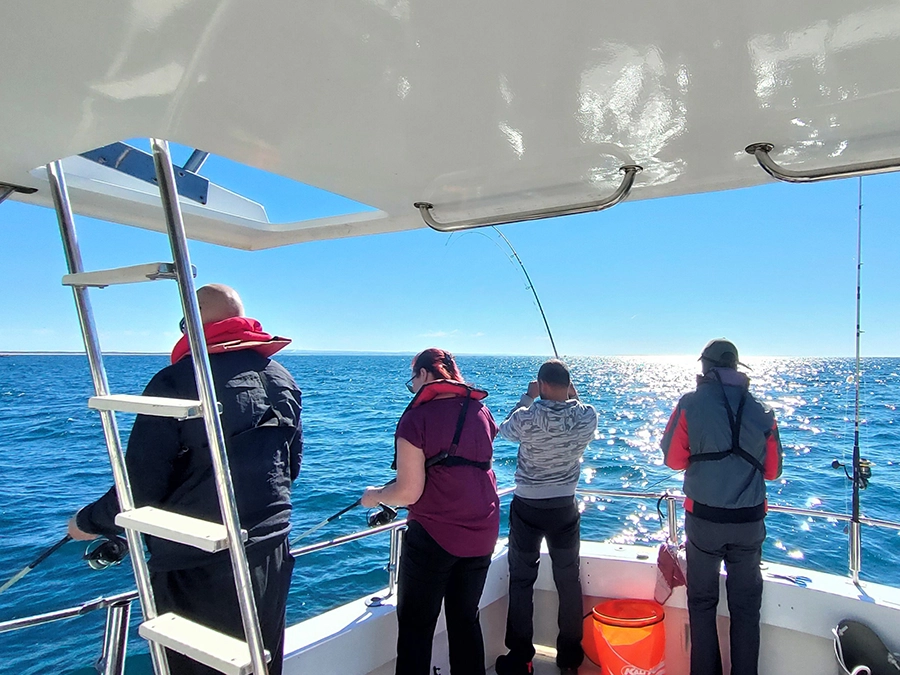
[[507, 666], [568, 671]]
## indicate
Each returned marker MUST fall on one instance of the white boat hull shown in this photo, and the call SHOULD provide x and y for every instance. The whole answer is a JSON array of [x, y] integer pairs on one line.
[[796, 621]]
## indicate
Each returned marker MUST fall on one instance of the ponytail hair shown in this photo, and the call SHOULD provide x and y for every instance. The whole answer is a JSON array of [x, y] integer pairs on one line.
[[439, 363]]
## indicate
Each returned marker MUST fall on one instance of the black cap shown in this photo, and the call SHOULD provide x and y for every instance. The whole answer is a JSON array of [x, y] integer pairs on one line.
[[721, 353]]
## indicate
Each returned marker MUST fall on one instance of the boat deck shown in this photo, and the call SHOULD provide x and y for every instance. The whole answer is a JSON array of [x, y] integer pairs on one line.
[[545, 663]]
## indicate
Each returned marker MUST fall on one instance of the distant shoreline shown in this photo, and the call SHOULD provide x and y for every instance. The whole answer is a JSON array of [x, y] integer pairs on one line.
[[312, 352]]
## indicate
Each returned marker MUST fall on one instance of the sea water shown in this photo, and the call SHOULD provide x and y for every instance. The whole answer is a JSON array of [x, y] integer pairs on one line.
[[53, 460]]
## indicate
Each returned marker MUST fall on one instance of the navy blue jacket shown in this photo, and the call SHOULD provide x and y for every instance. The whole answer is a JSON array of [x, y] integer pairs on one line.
[[170, 467]]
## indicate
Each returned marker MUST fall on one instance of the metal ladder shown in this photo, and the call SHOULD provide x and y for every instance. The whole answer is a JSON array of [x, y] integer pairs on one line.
[[221, 652]]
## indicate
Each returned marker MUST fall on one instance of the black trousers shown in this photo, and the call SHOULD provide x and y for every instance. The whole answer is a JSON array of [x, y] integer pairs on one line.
[[428, 576], [207, 595], [740, 546], [530, 521]]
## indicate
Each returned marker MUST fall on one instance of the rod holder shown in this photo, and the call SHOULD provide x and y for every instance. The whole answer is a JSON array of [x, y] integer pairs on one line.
[[761, 152], [115, 639], [672, 518], [397, 536], [855, 550], [630, 171]]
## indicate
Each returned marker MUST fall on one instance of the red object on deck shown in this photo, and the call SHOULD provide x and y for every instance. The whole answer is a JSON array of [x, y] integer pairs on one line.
[[627, 637]]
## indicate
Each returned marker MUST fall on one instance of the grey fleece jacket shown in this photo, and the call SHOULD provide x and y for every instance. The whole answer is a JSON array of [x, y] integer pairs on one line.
[[552, 437]]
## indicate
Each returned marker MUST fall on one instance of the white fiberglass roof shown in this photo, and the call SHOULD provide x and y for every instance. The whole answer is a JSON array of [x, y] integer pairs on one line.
[[478, 107]]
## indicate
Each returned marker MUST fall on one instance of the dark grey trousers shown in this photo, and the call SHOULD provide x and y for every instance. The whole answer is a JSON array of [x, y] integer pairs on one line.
[[740, 546], [530, 521]]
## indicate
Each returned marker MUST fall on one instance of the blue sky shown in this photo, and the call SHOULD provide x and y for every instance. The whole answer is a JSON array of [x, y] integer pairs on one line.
[[772, 268]]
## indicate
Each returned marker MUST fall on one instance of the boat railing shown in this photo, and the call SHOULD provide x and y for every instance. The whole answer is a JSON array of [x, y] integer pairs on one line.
[[118, 606]]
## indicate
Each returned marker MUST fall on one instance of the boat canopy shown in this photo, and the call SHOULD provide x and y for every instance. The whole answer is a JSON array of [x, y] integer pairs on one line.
[[480, 109]]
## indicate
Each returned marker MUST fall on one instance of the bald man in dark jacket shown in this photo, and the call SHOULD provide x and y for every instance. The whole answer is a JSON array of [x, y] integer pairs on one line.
[[170, 467]]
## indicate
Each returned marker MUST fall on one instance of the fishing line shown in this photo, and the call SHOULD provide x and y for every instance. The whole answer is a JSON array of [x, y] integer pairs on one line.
[[663, 480]]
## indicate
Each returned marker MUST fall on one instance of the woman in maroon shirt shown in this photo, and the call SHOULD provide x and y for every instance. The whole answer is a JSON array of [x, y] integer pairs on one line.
[[444, 444]]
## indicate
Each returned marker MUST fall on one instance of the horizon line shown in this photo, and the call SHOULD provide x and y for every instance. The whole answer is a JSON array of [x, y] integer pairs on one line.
[[363, 352]]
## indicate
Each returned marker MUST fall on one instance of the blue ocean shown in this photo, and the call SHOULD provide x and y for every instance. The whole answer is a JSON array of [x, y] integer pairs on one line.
[[53, 461]]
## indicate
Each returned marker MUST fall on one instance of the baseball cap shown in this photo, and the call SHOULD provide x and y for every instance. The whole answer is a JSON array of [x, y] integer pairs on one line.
[[721, 352]]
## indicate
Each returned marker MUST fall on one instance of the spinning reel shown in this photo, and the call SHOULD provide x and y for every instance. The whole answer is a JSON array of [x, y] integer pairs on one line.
[[384, 515], [105, 552], [865, 471]]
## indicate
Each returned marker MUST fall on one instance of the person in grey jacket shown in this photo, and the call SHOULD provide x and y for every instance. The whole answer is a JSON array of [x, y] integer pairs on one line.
[[728, 444], [552, 433]]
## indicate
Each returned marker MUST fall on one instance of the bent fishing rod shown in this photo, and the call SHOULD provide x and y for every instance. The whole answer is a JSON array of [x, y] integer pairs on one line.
[[387, 514], [515, 257], [531, 288]]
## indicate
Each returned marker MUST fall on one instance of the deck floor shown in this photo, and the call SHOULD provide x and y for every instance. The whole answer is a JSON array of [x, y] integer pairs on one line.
[[545, 663]]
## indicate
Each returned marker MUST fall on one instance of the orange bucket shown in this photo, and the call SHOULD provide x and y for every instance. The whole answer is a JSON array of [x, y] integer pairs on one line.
[[626, 637]]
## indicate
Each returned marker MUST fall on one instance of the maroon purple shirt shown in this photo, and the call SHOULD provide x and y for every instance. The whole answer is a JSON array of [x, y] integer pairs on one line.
[[459, 507]]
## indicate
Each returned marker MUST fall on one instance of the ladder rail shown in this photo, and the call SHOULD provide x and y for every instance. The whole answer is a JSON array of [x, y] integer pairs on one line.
[[209, 405], [60, 194]]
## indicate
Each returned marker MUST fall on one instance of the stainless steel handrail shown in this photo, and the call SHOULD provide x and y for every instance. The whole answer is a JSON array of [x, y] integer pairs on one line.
[[344, 539], [362, 534], [168, 191], [70, 613], [101, 603], [761, 152], [60, 194], [630, 171]]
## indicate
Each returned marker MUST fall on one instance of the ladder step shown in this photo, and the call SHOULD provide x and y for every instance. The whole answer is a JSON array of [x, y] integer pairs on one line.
[[123, 275], [147, 405], [202, 534], [204, 645]]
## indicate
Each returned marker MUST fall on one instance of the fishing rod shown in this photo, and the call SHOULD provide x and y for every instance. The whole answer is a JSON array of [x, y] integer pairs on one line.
[[319, 526], [856, 457], [383, 516], [531, 288], [37, 561], [861, 468]]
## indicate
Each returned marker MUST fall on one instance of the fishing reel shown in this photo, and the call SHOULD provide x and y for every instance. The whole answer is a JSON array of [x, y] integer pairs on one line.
[[865, 471], [384, 515], [105, 552]]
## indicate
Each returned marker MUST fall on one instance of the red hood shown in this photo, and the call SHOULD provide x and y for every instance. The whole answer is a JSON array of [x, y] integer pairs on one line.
[[239, 332]]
